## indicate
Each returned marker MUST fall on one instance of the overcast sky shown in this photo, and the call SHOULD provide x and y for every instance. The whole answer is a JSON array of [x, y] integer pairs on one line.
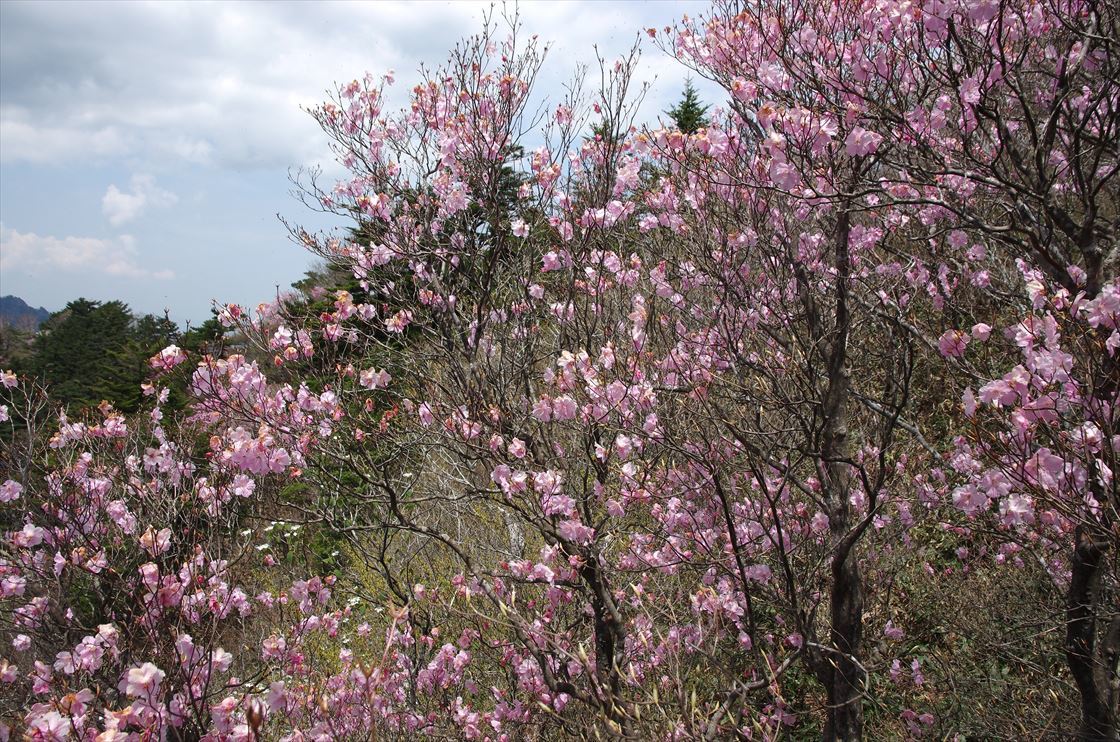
[[145, 146]]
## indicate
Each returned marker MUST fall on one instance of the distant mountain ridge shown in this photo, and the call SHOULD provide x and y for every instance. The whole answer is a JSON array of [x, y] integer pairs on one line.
[[18, 314]]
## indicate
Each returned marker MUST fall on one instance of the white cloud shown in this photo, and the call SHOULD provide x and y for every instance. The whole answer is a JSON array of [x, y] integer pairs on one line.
[[44, 143], [207, 97], [112, 257], [241, 72], [121, 207]]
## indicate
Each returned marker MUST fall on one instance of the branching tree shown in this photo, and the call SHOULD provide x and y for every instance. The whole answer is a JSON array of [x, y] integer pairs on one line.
[[649, 434]]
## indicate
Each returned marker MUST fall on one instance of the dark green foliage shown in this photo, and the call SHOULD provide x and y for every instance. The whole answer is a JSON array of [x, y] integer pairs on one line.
[[15, 347], [206, 338], [93, 351], [688, 114]]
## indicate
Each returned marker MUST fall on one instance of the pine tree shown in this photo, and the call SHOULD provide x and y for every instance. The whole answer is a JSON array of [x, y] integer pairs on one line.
[[93, 351], [688, 114]]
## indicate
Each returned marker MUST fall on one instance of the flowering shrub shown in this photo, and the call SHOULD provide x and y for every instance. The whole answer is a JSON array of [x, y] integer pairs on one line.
[[619, 434]]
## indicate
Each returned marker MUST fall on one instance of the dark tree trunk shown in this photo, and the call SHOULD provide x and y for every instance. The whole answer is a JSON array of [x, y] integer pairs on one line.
[[845, 689], [610, 639], [1094, 668], [843, 674], [1092, 641]]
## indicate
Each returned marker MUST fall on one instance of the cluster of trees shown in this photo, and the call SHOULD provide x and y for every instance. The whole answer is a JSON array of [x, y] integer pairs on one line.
[[795, 417], [92, 352]]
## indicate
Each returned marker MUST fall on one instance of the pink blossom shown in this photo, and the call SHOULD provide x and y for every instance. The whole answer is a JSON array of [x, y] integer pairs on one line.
[[860, 142], [564, 408], [168, 358], [1104, 311], [576, 532], [10, 491], [220, 660], [548, 482], [30, 535], [1016, 510], [374, 379], [968, 401], [542, 573], [542, 409], [456, 199], [149, 575], [982, 11], [551, 261], [557, 504], [623, 445], [399, 321], [12, 586], [784, 175], [819, 522], [952, 344], [156, 542], [48, 726], [969, 499], [242, 486], [495, 443], [142, 681]]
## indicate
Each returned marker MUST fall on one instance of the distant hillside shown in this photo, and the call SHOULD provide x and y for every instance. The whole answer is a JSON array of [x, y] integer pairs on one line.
[[15, 313]]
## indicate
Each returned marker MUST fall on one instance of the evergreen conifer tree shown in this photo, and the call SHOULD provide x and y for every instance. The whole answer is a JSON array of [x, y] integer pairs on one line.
[[688, 114], [93, 351]]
